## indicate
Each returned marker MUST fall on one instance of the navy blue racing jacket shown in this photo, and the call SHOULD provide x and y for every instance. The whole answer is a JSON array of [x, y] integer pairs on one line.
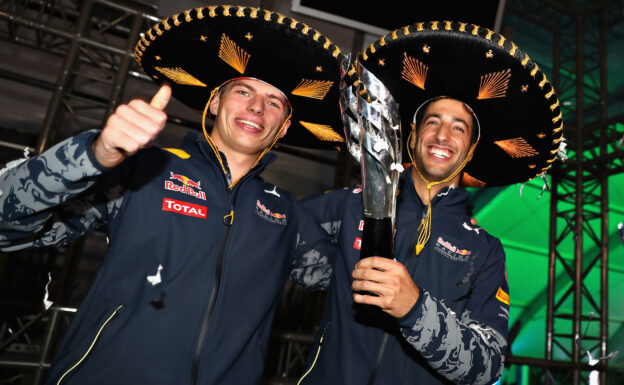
[[187, 291], [457, 330]]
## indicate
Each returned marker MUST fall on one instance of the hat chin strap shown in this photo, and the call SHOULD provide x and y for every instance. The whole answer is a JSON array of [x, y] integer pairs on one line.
[[425, 225], [215, 149]]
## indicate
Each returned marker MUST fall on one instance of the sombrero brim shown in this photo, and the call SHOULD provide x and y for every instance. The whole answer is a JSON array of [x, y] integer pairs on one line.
[[200, 49], [519, 113]]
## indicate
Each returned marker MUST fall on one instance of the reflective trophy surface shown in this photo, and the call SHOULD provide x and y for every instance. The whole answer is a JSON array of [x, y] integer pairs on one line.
[[373, 133]]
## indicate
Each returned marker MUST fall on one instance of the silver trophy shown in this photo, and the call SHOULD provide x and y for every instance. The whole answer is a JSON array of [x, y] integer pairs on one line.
[[373, 132]]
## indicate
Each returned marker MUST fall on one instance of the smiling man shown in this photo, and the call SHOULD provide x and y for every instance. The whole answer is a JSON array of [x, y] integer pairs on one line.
[[249, 115], [437, 313], [200, 246]]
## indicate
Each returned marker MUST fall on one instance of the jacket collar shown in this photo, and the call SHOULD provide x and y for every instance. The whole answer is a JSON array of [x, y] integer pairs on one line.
[[196, 145], [449, 196]]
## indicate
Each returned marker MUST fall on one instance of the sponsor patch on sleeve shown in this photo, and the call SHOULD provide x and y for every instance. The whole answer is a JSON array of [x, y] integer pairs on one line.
[[502, 296], [357, 244]]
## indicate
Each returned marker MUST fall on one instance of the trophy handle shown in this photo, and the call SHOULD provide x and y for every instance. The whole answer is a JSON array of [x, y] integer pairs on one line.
[[377, 238]]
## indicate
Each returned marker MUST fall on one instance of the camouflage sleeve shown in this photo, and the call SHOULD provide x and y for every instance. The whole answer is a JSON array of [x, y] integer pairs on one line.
[[313, 259], [43, 200], [470, 349], [313, 267]]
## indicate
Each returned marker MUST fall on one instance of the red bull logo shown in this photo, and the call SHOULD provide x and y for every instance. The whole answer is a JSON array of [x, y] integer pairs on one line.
[[267, 214], [189, 186], [451, 251], [185, 180]]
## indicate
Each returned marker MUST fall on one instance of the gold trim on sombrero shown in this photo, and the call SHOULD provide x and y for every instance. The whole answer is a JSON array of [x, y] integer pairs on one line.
[[233, 55], [469, 180], [514, 48], [211, 10], [494, 85], [516, 147], [557, 118], [180, 76], [315, 89], [322, 132], [414, 71]]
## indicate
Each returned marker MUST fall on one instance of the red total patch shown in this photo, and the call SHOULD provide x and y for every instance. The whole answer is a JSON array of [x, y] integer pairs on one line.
[[184, 208]]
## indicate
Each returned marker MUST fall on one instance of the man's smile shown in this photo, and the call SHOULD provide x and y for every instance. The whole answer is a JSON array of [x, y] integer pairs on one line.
[[248, 125], [439, 152]]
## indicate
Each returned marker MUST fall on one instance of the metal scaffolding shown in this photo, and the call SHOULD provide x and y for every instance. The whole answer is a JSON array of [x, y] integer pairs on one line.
[[579, 188]]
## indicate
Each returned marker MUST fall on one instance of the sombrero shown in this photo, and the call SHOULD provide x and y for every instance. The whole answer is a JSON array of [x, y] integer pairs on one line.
[[520, 117], [199, 49]]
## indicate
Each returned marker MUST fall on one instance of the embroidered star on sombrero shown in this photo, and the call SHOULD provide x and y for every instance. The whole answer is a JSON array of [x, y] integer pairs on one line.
[[199, 49], [519, 114]]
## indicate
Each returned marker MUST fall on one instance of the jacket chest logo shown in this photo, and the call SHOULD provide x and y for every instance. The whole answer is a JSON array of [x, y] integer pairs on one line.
[[266, 214], [451, 251], [188, 187], [184, 208]]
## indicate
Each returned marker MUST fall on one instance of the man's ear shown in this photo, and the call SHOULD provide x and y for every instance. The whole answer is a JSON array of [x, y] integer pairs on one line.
[[285, 130], [214, 103]]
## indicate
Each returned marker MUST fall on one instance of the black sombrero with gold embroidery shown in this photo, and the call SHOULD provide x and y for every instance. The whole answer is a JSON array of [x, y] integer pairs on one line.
[[199, 49], [518, 111]]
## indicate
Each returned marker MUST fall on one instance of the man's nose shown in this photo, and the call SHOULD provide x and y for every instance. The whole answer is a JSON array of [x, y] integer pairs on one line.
[[256, 104], [443, 132]]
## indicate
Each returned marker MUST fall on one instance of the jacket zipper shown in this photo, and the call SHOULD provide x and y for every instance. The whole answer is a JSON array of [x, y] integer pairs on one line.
[[380, 354], [90, 346], [228, 220], [318, 351]]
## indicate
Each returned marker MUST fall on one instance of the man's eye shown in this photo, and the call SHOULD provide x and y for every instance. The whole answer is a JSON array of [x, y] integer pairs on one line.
[[460, 128], [275, 105], [243, 92]]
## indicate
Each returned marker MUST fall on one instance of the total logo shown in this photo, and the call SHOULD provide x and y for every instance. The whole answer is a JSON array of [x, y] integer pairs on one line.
[[189, 186], [184, 208]]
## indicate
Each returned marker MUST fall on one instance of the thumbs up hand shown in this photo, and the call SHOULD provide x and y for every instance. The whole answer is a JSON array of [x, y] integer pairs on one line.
[[131, 127]]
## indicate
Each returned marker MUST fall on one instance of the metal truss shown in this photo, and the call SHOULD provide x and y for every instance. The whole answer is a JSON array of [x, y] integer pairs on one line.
[[579, 188], [93, 40], [27, 340]]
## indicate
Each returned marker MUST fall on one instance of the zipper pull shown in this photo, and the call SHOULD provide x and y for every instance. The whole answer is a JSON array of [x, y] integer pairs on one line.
[[229, 219]]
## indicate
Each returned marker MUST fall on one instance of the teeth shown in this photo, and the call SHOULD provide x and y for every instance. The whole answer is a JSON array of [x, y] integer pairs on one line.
[[252, 124], [440, 153]]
